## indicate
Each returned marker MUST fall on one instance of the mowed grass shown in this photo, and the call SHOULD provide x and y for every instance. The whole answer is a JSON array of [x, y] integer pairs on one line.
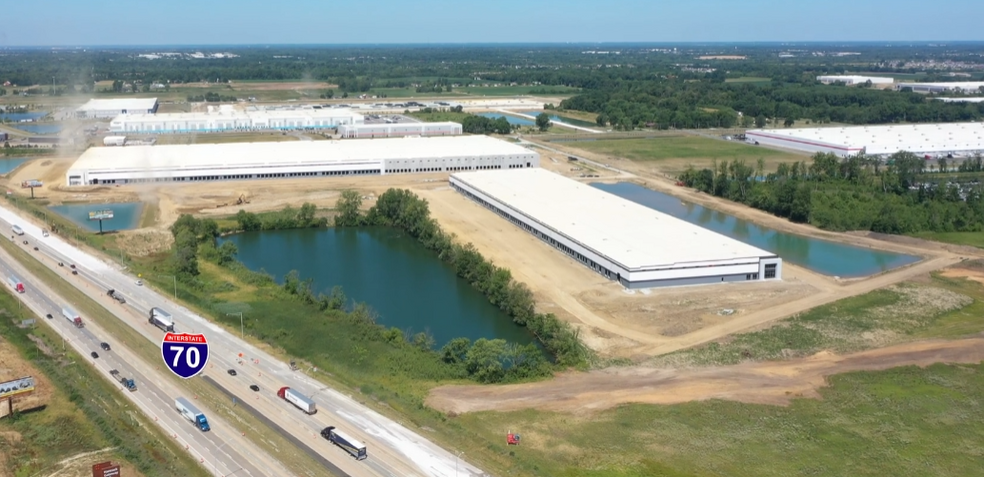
[[944, 308], [901, 422], [674, 154], [974, 239]]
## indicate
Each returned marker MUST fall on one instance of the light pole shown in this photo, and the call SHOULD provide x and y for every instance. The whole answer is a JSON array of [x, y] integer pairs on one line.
[[172, 277], [456, 456], [242, 331]]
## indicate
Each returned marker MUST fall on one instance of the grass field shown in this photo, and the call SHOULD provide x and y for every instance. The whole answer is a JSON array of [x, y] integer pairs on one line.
[[944, 308], [974, 239], [85, 414], [243, 421], [674, 154], [900, 422]]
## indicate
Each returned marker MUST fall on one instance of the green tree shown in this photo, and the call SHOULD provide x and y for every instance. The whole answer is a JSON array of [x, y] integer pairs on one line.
[[227, 252], [543, 121], [349, 209], [760, 121], [789, 122], [248, 221], [455, 351], [484, 360]]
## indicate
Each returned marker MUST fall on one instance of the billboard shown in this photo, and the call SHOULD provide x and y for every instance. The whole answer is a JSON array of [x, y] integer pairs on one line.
[[31, 183], [105, 469], [18, 386], [100, 215]]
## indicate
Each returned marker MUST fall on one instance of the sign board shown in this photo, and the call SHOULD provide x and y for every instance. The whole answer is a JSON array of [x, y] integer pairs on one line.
[[185, 354], [18, 386], [100, 215], [105, 469], [31, 183]]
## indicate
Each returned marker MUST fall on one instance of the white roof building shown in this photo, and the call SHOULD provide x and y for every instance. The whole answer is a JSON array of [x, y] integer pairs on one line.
[[877, 140], [229, 119], [269, 160], [624, 241], [399, 129], [852, 79], [111, 108], [942, 87]]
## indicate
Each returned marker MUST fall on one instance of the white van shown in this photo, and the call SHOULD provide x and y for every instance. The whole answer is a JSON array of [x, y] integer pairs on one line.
[[17, 230]]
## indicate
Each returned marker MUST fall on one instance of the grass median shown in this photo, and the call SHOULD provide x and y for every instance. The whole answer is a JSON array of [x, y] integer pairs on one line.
[[264, 437]]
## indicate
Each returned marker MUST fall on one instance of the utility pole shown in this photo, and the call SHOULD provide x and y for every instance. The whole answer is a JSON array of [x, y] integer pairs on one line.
[[242, 331]]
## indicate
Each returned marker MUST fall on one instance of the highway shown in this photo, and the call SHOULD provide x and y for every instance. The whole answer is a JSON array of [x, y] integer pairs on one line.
[[394, 451], [154, 397]]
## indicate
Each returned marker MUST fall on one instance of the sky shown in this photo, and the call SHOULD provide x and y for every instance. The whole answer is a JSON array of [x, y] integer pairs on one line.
[[223, 22]]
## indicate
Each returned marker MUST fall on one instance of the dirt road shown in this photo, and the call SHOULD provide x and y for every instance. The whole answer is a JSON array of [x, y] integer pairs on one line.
[[763, 382]]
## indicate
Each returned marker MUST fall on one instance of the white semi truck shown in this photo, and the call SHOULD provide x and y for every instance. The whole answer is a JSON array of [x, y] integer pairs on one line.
[[73, 316], [303, 402], [191, 413], [161, 319]]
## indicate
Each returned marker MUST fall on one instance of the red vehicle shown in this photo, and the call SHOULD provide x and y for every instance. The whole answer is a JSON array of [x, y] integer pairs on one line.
[[512, 439], [16, 284]]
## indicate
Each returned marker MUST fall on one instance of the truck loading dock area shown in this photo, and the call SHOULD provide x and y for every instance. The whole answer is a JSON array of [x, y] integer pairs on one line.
[[619, 239]]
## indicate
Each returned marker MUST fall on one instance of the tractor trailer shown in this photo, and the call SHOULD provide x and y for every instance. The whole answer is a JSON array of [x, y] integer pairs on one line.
[[301, 401], [191, 413], [72, 316], [15, 283], [126, 382], [350, 445], [161, 319]]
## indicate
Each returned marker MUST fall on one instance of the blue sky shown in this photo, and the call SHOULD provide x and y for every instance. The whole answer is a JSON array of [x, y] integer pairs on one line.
[[176, 22]]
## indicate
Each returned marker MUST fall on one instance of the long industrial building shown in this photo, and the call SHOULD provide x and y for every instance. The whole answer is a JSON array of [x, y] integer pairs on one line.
[[854, 80], [637, 246], [111, 108], [273, 160], [359, 131], [943, 87], [944, 138], [228, 119]]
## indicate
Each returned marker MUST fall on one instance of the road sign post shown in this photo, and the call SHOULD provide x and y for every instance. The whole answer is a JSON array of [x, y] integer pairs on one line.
[[185, 354]]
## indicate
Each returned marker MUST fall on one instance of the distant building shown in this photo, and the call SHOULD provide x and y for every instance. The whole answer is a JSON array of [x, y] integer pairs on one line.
[[957, 86], [111, 108], [854, 80], [945, 138], [48, 141], [356, 131], [228, 119]]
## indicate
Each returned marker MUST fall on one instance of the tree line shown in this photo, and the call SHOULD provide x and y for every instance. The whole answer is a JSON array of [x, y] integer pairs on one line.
[[403, 209], [859, 192], [286, 218]]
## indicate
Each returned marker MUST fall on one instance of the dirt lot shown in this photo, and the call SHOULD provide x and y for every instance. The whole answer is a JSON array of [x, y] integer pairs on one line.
[[763, 383], [13, 367]]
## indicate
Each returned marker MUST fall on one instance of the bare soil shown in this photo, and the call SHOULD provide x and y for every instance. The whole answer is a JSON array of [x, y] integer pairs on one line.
[[774, 383], [12, 366]]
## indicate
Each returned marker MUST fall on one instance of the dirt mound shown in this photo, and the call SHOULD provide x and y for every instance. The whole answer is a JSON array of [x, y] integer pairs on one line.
[[762, 383], [145, 242]]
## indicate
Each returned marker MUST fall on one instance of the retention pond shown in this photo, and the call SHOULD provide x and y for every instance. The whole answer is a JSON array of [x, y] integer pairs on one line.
[[822, 256]]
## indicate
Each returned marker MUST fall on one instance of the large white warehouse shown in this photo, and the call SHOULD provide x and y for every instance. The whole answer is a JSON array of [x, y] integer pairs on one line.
[[854, 80], [269, 160], [945, 138], [354, 131], [637, 246], [111, 108], [963, 86], [227, 119]]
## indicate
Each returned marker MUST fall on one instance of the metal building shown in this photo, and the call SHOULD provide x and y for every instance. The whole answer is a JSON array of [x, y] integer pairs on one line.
[[943, 138], [111, 108], [274, 160], [358, 131], [228, 119], [854, 80], [626, 242]]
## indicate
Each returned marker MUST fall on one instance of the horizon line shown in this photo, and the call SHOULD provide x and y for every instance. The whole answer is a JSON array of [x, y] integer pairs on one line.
[[528, 43]]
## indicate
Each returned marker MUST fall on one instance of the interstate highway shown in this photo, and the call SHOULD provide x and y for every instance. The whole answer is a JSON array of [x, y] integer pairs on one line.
[[220, 450], [394, 451]]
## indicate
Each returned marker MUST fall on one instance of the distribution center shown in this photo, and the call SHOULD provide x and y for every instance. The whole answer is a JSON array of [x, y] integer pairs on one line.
[[635, 245], [111, 108], [226, 118], [944, 138], [267, 160]]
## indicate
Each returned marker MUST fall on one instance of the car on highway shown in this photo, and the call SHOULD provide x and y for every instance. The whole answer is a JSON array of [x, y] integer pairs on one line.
[[35, 249], [75, 272], [94, 354], [48, 316], [254, 387], [71, 266], [25, 242], [104, 346], [232, 372], [139, 283], [61, 264], [44, 233]]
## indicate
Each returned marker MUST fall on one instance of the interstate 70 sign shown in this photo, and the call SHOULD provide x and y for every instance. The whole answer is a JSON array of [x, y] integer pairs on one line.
[[185, 354]]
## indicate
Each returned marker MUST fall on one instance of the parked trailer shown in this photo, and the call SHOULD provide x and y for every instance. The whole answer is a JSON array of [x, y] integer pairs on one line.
[[15, 283], [72, 316], [161, 319], [350, 445], [301, 401], [191, 413]]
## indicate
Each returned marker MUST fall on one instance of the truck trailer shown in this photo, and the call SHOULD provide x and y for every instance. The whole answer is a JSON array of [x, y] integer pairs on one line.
[[301, 401], [191, 413], [15, 283], [350, 445], [161, 319], [72, 316], [126, 382]]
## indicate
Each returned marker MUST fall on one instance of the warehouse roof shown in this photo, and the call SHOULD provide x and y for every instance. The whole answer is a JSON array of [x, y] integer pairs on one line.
[[136, 104], [888, 139], [236, 114], [964, 85], [251, 154], [856, 79], [632, 235]]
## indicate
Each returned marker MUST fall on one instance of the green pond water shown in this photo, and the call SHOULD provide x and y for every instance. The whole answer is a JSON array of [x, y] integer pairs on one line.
[[828, 258], [407, 285], [126, 216]]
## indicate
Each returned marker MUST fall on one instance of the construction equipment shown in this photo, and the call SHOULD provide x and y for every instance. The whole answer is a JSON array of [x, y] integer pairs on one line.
[[242, 200]]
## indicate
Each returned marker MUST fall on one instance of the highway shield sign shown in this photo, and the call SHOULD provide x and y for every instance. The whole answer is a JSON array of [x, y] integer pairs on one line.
[[185, 354]]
